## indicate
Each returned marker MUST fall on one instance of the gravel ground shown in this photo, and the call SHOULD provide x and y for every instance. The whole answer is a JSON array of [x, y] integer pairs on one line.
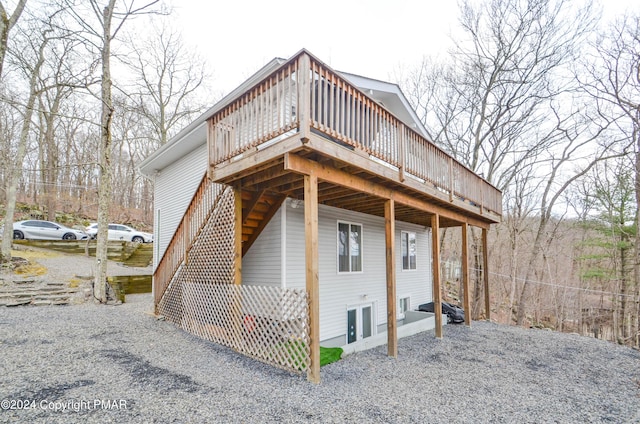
[[47, 268], [61, 266], [119, 364]]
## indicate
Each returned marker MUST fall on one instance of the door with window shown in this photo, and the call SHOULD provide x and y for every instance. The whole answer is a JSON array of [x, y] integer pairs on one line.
[[360, 322]]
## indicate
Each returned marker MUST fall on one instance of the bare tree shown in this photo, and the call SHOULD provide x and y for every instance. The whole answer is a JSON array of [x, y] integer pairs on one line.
[[64, 74], [101, 24], [6, 24], [167, 81], [131, 130], [31, 66], [494, 104], [520, 205], [8, 125], [81, 137], [487, 104], [615, 85], [577, 138]]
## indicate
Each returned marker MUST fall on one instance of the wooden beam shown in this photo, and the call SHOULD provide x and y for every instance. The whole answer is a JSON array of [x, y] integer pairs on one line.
[[312, 273], [333, 193], [237, 247], [465, 275], [364, 204], [262, 176], [485, 273], [230, 171], [351, 197], [392, 325], [435, 251], [363, 161], [304, 97], [275, 206], [186, 230], [211, 142], [295, 184], [301, 165], [237, 261], [263, 166]]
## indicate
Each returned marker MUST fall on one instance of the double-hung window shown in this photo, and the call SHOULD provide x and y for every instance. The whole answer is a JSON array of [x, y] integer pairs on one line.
[[349, 247], [409, 250]]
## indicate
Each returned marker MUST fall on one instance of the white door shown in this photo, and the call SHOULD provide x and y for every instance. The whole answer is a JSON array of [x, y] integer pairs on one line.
[[360, 322]]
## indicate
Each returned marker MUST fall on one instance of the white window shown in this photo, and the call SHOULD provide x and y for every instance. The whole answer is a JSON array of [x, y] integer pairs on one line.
[[349, 247], [409, 250], [360, 322], [404, 304]]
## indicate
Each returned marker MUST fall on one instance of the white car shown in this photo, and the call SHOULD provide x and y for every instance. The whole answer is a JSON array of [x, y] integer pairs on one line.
[[122, 232], [35, 229]]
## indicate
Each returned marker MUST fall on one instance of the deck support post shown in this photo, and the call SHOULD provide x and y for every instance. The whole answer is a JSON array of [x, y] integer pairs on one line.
[[485, 273], [392, 325], [465, 274], [186, 229], [304, 101], [237, 247], [435, 251], [312, 274], [237, 261]]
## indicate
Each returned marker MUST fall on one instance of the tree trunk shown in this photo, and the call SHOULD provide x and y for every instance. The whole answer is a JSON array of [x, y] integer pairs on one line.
[[50, 157], [624, 285], [513, 268], [14, 175], [478, 286], [525, 294], [104, 187], [636, 252], [6, 23]]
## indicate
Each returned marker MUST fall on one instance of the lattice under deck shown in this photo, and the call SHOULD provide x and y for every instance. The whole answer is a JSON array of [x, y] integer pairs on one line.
[[264, 322]]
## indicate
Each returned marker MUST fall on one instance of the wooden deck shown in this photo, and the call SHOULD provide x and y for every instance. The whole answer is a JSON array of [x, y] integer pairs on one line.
[[305, 115]]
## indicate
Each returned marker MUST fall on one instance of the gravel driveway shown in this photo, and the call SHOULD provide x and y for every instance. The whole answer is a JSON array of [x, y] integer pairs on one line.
[[101, 364]]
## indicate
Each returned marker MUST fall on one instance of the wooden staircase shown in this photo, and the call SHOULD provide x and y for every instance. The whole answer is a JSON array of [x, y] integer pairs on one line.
[[258, 208]]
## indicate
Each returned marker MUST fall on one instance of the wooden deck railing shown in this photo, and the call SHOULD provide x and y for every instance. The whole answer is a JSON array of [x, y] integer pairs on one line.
[[259, 115], [305, 94], [201, 206]]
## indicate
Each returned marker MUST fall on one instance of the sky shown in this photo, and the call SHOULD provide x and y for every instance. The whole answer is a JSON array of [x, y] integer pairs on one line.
[[371, 38]]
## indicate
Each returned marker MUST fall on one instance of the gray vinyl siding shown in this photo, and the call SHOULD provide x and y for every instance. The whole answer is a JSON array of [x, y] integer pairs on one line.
[[295, 247], [261, 265], [338, 291], [175, 186], [411, 283]]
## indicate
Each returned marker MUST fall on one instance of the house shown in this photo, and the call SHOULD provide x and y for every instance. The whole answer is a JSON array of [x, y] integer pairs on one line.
[[303, 209]]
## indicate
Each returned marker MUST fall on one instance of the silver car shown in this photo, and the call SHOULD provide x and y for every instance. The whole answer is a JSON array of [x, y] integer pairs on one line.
[[122, 232], [45, 230]]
